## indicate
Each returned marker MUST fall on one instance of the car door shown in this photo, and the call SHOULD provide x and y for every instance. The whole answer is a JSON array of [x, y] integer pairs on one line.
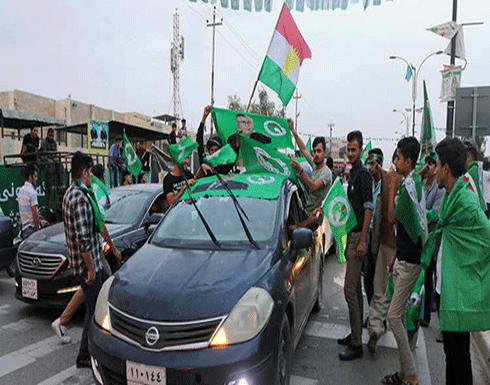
[[300, 275]]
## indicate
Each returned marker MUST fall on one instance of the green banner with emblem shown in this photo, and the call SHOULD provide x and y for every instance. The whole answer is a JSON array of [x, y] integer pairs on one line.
[[227, 121]]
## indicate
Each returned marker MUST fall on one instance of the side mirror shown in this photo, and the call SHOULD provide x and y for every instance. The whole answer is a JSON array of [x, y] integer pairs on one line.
[[301, 238], [153, 219]]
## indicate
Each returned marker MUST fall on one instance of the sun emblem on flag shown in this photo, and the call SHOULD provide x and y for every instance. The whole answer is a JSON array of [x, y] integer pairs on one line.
[[292, 62]]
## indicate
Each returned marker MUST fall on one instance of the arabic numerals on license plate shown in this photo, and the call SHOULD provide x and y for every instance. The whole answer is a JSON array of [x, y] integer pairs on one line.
[[143, 374]]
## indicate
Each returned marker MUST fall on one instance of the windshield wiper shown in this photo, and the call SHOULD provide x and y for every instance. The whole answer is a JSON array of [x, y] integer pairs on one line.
[[238, 207], [208, 229]]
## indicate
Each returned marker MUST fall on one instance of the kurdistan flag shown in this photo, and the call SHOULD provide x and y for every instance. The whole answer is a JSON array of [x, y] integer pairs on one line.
[[275, 128], [340, 215], [259, 158], [182, 150], [225, 155], [365, 153], [132, 161], [287, 50], [427, 134]]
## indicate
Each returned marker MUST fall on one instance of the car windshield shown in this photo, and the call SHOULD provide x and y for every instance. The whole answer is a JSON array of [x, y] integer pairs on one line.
[[182, 225], [126, 205]]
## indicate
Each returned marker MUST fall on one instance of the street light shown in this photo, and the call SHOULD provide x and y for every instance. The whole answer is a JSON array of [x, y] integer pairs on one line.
[[414, 81], [405, 116]]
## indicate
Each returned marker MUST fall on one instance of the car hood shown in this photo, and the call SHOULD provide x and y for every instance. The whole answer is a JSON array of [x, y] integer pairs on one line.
[[52, 239], [183, 284]]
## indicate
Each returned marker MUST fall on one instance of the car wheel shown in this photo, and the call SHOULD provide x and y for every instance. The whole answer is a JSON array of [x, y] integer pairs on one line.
[[284, 357], [319, 292], [11, 268]]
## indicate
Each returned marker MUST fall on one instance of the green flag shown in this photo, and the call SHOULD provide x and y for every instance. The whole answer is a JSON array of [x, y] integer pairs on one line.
[[427, 134], [365, 153], [225, 155], [132, 161], [102, 195], [182, 150], [263, 158], [410, 210], [340, 215], [308, 145], [275, 128]]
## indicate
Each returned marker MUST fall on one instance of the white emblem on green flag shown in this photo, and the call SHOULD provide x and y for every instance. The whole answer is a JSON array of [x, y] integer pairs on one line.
[[132, 161], [182, 150], [365, 152], [259, 158], [341, 216], [225, 155]]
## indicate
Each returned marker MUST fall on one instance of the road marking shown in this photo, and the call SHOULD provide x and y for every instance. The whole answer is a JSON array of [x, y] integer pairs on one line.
[[4, 309], [8, 280], [295, 380], [28, 355], [421, 361], [73, 375], [334, 331]]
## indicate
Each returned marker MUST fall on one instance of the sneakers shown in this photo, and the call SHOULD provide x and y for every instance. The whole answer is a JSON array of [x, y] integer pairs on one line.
[[60, 331]]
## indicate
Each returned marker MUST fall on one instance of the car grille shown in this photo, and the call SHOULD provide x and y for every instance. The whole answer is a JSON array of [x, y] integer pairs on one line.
[[40, 265], [171, 335]]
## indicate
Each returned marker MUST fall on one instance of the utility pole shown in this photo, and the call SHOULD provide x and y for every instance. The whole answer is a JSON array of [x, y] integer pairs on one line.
[[214, 25], [331, 125], [450, 104], [296, 97]]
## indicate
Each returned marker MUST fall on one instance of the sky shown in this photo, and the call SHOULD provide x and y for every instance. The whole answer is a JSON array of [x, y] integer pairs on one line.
[[116, 54]]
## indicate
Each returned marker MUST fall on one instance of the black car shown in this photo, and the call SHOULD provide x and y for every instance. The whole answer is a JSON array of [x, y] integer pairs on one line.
[[8, 246], [43, 276], [189, 310]]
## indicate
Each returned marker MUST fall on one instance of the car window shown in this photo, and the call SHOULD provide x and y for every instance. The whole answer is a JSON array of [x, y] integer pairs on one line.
[[126, 206], [182, 222]]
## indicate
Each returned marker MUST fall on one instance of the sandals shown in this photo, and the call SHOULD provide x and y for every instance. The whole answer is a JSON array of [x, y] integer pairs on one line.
[[394, 379]]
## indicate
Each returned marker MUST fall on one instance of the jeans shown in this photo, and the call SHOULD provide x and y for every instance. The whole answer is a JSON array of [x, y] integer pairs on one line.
[[458, 359], [90, 293]]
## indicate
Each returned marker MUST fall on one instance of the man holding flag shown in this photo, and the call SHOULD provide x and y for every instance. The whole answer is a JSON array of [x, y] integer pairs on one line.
[[319, 183], [360, 194], [408, 212]]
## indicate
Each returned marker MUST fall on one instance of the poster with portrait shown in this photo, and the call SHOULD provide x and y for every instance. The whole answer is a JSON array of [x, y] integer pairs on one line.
[[98, 136]]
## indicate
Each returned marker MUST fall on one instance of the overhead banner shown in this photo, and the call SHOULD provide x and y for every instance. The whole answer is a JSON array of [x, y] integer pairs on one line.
[[298, 5], [451, 80], [98, 136]]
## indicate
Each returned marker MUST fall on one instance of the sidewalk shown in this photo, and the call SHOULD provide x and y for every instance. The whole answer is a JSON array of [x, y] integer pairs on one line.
[[482, 340]]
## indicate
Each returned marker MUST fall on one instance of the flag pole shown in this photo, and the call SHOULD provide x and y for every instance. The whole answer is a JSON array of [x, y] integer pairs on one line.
[[268, 48]]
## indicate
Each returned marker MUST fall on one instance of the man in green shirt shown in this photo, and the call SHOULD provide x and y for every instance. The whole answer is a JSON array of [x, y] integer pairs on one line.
[[319, 183]]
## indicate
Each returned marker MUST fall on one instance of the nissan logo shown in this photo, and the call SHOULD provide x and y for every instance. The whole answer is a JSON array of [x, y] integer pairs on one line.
[[152, 336], [36, 262]]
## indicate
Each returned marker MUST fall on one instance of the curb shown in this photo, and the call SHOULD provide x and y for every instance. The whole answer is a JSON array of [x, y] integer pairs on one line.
[[482, 340]]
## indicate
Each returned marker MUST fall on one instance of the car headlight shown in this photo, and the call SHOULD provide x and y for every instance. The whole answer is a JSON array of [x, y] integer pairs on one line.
[[246, 319], [102, 306]]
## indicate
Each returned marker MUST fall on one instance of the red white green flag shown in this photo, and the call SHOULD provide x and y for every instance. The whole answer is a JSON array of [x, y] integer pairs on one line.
[[287, 50]]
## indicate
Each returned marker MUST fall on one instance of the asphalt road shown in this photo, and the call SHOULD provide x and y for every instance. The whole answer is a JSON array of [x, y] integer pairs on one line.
[[30, 353]]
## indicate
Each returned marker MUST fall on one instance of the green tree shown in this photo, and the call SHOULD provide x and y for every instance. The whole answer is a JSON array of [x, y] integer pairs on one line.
[[264, 106]]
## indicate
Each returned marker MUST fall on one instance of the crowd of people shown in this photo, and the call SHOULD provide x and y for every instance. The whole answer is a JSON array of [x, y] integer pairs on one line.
[[434, 220]]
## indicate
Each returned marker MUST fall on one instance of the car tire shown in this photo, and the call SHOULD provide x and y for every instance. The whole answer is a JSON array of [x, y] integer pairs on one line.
[[11, 268], [285, 354], [319, 293]]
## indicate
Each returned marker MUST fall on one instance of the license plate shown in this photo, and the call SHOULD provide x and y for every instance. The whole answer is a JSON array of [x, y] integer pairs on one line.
[[29, 288], [139, 374]]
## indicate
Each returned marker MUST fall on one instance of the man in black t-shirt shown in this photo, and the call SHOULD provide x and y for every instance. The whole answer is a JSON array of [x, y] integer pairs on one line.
[[30, 144], [174, 183], [172, 137]]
